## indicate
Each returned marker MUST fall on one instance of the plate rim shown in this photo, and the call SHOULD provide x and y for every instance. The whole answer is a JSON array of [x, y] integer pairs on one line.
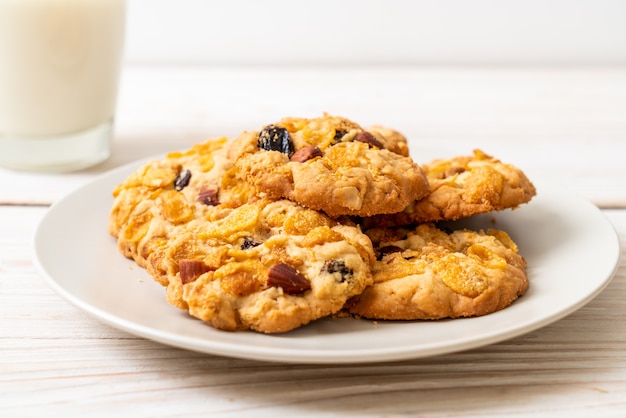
[[309, 355]]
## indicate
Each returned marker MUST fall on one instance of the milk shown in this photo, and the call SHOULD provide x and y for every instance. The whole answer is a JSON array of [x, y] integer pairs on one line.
[[59, 72]]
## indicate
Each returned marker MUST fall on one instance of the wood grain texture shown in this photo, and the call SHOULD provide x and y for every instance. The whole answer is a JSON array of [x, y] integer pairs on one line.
[[566, 124], [54, 360]]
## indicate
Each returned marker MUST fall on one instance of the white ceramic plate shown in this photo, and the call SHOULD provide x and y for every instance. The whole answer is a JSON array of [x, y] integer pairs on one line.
[[571, 249]]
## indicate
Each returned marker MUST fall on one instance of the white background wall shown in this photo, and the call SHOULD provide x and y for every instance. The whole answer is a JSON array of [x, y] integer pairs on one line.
[[324, 32]]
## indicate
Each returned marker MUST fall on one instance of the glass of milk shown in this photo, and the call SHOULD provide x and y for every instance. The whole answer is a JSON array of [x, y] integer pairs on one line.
[[60, 64]]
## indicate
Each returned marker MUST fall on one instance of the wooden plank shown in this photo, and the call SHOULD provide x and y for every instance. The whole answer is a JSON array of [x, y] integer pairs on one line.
[[54, 359]]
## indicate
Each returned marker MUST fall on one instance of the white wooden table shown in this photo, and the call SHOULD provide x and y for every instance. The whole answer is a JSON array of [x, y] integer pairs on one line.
[[568, 124]]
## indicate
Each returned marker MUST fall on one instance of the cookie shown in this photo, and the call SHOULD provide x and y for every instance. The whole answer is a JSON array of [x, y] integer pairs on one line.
[[390, 139], [269, 266], [427, 273], [461, 187], [165, 194], [331, 164]]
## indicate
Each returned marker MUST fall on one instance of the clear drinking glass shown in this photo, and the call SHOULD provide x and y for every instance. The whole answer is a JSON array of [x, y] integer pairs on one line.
[[60, 63]]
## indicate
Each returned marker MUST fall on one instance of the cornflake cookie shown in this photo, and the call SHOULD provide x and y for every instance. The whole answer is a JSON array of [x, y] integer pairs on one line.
[[426, 273], [461, 187], [269, 266], [163, 195], [331, 164]]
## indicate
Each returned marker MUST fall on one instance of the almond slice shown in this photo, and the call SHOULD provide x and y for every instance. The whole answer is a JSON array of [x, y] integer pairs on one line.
[[190, 270], [369, 139], [288, 278]]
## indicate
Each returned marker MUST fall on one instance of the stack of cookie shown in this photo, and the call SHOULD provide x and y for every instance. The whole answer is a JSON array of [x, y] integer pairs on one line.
[[309, 218]]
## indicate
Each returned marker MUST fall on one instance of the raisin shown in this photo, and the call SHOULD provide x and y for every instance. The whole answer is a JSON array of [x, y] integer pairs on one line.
[[276, 138], [339, 134], [338, 266], [249, 243], [387, 250], [182, 180]]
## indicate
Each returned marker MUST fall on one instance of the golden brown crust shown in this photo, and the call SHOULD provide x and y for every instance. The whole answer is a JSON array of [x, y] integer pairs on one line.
[[163, 195], [461, 187], [247, 238], [353, 173], [427, 273], [321, 265], [391, 139]]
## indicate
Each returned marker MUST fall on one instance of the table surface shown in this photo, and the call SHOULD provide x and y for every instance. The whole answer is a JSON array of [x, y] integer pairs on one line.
[[565, 124]]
